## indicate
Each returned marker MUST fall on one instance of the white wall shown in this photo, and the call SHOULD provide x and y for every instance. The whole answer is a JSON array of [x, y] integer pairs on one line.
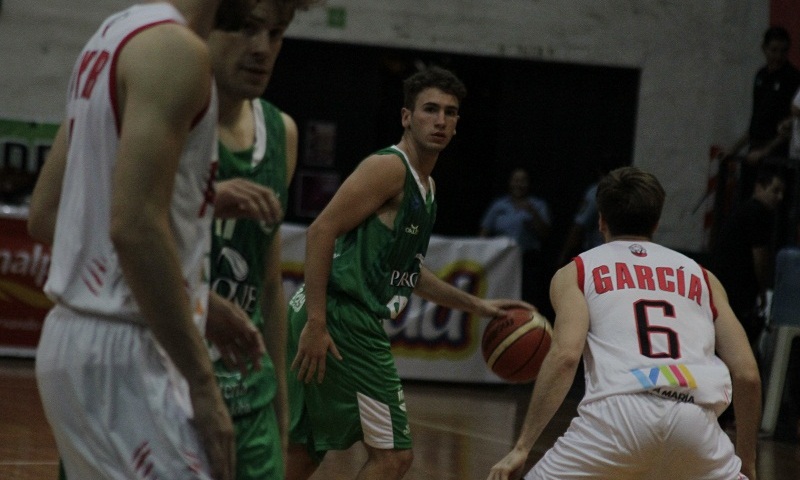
[[697, 60]]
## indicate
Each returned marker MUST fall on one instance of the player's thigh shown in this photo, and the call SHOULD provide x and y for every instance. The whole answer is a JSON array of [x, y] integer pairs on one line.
[[361, 397], [121, 410], [705, 450], [608, 440]]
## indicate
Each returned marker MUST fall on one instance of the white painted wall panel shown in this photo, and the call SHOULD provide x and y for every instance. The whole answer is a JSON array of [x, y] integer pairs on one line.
[[697, 60]]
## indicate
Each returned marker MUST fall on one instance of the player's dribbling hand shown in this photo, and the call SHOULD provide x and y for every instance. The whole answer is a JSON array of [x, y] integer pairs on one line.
[[242, 198], [215, 431], [509, 467], [497, 307], [312, 350]]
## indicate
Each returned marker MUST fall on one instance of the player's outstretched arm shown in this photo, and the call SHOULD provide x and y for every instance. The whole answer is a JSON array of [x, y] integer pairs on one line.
[[434, 289], [571, 326], [734, 349]]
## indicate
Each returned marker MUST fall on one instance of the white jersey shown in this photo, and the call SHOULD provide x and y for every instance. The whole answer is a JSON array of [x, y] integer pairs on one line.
[[651, 325], [85, 274]]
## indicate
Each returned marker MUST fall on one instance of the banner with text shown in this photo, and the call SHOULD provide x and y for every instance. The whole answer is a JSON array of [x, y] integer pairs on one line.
[[429, 342]]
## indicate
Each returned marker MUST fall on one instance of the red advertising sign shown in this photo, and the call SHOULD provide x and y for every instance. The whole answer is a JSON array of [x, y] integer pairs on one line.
[[23, 271]]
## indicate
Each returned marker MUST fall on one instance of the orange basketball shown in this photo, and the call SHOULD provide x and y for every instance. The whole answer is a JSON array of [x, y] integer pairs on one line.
[[515, 345]]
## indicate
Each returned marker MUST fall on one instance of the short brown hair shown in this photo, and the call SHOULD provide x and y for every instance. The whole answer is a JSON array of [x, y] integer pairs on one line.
[[630, 201], [432, 77]]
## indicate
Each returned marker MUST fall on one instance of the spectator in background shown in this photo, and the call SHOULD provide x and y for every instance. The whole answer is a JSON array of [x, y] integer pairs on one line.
[[775, 84], [742, 255], [585, 232], [526, 219]]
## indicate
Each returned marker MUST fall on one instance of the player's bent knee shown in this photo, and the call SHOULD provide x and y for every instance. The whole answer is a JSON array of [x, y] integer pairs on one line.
[[398, 461], [299, 465]]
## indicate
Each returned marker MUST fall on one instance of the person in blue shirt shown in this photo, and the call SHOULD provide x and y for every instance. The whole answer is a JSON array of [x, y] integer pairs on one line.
[[526, 219]]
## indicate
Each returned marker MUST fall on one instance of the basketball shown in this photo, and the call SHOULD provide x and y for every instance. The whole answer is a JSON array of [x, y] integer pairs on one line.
[[514, 345]]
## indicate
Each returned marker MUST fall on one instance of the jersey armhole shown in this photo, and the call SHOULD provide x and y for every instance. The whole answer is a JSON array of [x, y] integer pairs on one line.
[[710, 294], [581, 272]]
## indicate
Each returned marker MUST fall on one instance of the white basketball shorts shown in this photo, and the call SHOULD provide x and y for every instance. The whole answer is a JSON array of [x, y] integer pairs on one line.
[[113, 403], [644, 437]]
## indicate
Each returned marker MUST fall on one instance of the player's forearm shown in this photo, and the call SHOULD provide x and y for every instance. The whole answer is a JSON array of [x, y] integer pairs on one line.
[[319, 257], [551, 387], [747, 408], [432, 288], [275, 335], [146, 253]]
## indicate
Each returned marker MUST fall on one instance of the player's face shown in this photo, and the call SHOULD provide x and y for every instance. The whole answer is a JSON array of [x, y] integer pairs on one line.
[[772, 194], [432, 122], [244, 58], [776, 53], [518, 183]]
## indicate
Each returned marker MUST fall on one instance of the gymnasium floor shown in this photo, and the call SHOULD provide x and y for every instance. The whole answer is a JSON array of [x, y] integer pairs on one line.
[[459, 431]]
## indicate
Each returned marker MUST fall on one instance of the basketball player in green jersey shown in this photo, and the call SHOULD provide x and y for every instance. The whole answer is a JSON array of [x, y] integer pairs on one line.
[[364, 256], [257, 149]]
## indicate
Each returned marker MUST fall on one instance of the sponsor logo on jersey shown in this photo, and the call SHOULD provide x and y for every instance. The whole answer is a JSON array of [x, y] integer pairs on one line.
[[412, 230], [298, 299], [231, 283], [404, 279], [638, 250], [673, 395]]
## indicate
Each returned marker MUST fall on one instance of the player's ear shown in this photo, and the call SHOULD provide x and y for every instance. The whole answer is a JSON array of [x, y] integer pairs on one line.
[[405, 117], [602, 226]]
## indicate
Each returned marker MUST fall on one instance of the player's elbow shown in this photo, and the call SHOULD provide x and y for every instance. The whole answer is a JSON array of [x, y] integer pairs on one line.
[[39, 228], [747, 378], [567, 359]]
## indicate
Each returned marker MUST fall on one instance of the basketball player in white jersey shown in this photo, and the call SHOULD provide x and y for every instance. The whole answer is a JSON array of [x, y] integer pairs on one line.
[[123, 371], [647, 321]]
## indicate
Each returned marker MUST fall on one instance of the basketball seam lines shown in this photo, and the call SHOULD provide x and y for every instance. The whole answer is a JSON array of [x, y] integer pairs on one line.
[[534, 322]]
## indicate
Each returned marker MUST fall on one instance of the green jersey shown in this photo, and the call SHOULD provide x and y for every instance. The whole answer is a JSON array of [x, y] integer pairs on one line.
[[239, 247], [377, 267]]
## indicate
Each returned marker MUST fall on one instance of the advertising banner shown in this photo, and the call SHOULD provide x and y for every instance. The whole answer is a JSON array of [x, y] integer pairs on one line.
[[429, 342], [23, 270]]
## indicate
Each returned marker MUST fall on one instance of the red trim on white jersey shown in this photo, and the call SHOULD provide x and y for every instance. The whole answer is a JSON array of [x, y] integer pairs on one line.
[[581, 272], [710, 294]]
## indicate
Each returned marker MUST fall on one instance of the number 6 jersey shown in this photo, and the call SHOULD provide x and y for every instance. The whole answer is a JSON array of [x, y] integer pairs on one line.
[[651, 325]]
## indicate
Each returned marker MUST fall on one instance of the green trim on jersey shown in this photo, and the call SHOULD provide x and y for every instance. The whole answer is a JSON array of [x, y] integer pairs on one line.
[[238, 251]]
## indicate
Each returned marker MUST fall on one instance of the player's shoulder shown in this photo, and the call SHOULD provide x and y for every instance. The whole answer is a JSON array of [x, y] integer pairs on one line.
[[384, 167], [169, 46], [387, 162]]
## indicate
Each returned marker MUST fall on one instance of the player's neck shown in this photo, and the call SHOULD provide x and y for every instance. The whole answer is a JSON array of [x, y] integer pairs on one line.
[[236, 123], [628, 238], [421, 159]]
